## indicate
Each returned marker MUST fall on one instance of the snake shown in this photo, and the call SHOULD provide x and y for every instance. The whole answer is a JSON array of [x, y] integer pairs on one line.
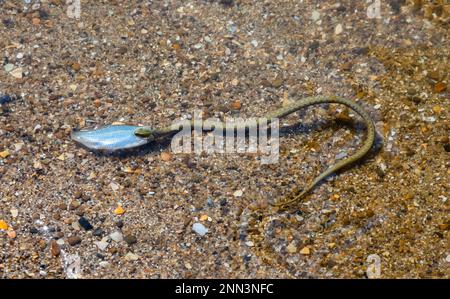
[[258, 216], [155, 133]]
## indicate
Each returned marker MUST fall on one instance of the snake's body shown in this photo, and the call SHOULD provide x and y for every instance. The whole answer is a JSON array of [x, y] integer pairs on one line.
[[282, 112]]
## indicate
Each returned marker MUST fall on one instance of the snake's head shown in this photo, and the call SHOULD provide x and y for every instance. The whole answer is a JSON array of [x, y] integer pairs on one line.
[[145, 132]]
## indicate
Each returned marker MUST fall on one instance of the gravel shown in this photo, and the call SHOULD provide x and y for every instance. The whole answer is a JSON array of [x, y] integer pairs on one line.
[[154, 62]]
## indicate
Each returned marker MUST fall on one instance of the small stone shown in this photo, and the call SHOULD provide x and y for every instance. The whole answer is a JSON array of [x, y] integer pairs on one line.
[[338, 30], [14, 213], [114, 186], [17, 73], [5, 99], [131, 256], [74, 240], [305, 251], [98, 232], [447, 259], [188, 266], [3, 225], [4, 154], [97, 103], [116, 236], [315, 16], [74, 205], [238, 193], [85, 223], [236, 105], [34, 230], [36, 21], [203, 218], [199, 229], [166, 157], [9, 67], [119, 210], [11, 234], [119, 224], [75, 66], [130, 239], [102, 245], [249, 243], [440, 87], [54, 248], [291, 248]]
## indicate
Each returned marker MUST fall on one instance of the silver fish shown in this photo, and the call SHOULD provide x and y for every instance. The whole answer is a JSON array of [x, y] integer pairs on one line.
[[110, 138]]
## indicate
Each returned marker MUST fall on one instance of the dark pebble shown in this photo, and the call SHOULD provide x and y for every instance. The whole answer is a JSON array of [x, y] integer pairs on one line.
[[130, 239], [223, 202], [98, 232], [74, 240], [226, 2], [119, 224], [85, 223], [34, 230], [5, 99], [100, 256]]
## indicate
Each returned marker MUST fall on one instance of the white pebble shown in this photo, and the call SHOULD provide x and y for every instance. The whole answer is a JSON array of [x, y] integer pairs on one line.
[[338, 30], [116, 236], [199, 229]]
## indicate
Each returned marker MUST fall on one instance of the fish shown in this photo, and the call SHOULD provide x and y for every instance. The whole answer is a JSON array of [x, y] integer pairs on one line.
[[110, 138]]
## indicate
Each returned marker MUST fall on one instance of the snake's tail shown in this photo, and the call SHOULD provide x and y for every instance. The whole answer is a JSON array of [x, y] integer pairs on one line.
[[367, 145]]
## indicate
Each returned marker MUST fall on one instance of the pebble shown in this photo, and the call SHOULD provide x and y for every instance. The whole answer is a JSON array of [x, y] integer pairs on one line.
[[119, 210], [447, 259], [11, 234], [9, 67], [5, 99], [305, 251], [85, 223], [131, 256], [238, 193], [17, 73], [199, 229], [166, 157], [4, 154], [249, 243], [338, 30], [116, 236], [130, 239], [14, 213], [98, 232], [54, 248], [103, 244], [74, 240], [119, 224], [3, 225], [315, 16], [291, 248]]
